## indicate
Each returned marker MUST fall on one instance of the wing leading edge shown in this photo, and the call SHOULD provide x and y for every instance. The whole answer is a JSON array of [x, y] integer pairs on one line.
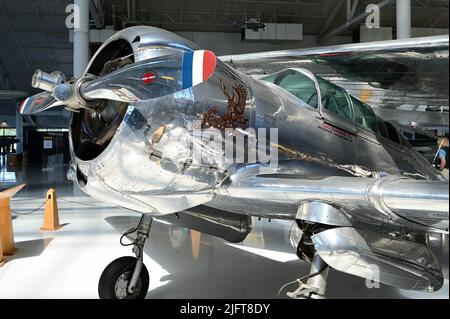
[[385, 74]]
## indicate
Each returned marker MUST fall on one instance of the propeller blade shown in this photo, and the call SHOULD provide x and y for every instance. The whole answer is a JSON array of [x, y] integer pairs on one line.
[[38, 103], [153, 78]]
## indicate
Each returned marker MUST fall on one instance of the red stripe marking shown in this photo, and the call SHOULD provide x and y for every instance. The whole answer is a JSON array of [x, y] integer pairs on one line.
[[22, 106], [209, 64], [333, 54]]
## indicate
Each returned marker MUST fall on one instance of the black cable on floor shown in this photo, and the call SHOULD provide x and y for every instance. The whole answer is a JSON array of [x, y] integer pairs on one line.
[[42, 205], [75, 202], [31, 211], [58, 198], [15, 200]]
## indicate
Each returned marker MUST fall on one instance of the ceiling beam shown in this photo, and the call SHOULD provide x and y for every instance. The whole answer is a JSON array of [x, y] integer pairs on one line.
[[353, 22], [5, 81], [421, 3], [7, 19], [96, 11], [211, 13], [334, 11], [351, 8], [289, 3]]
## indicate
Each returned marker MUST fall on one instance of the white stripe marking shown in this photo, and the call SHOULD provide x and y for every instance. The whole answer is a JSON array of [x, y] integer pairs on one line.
[[24, 105], [197, 67]]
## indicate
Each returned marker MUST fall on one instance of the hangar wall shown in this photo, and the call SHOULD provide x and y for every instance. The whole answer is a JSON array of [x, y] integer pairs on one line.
[[223, 43], [386, 33], [10, 119]]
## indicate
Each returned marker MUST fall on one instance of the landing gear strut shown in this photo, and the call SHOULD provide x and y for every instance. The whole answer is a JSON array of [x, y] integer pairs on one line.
[[315, 287], [127, 277], [301, 240]]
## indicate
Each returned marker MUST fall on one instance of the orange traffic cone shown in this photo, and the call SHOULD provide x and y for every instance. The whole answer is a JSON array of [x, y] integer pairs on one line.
[[6, 230], [2, 259], [51, 218], [195, 241]]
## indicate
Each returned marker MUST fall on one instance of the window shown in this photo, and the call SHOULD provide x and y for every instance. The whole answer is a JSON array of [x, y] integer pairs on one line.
[[408, 135], [334, 99], [52, 130], [297, 84], [382, 127], [7, 132], [364, 116], [392, 133]]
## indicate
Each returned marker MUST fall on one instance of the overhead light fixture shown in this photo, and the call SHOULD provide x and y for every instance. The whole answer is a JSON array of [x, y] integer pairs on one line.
[[4, 124], [253, 24]]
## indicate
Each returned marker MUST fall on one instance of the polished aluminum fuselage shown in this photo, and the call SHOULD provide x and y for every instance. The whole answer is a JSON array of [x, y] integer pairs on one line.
[[149, 165], [358, 199]]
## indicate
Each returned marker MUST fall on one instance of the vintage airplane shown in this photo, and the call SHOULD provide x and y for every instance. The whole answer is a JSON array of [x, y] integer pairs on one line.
[[302, 149]]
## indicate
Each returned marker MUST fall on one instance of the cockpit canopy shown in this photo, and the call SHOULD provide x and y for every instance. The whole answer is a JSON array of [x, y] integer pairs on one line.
[[334, 99]]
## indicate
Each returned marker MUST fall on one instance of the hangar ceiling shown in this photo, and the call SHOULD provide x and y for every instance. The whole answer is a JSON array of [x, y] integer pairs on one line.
[[227, 15], [34, 35]]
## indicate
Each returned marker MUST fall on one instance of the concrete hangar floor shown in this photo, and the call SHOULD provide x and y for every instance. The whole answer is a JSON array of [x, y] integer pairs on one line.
[[68, 263]]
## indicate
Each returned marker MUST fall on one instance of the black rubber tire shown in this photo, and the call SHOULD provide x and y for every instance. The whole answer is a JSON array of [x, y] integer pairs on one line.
[[112, 272]]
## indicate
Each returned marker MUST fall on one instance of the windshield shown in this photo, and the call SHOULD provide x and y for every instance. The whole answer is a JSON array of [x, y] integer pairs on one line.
[[334, 99], [364, 116], [297, 84]]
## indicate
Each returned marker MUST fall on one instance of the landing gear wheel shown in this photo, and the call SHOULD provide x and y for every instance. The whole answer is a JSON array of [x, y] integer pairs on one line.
[[114, 280]]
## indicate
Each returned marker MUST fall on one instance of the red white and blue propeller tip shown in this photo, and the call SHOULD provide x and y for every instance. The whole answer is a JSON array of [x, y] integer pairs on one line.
[[198, 66], [24, 105]]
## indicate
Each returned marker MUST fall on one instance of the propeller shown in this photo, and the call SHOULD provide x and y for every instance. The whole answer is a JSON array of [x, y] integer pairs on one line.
[[38, 103], [145, 80]]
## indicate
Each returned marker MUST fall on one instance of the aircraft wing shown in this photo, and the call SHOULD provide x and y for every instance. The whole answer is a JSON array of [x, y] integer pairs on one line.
[[361, 214], [400, 75], [420, 205]]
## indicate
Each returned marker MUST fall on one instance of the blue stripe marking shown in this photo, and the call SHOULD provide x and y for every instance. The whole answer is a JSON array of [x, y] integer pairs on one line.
[[187, 69]]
